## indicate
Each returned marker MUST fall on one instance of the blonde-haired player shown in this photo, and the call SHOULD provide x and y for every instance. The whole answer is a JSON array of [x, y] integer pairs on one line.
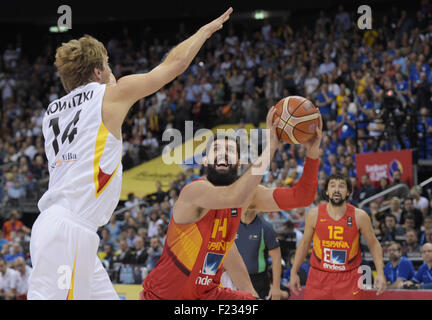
[[82, 132]]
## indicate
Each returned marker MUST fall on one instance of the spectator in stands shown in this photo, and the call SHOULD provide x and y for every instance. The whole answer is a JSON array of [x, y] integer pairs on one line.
[[150, 145], [399, 269], [375, 214], [24, 272], [421, 203], [423, 277], [105, 238], [140, 251], [17, 251], [132, 203], [131, 236], [410, 209], [154, 253], [393, 231], [366, 190], [401, 193], [115, 227], [108, 257], [125, 254], [428, 235], [13, 224], [3, 240], [383, 185], [427, 224], [8, 281], [411, 248], [154, 221], [23, 239], [396, 210], [157, 196]]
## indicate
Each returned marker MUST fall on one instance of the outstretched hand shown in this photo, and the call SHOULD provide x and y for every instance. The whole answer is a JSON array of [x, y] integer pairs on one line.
[[272, 139], [217, 24]]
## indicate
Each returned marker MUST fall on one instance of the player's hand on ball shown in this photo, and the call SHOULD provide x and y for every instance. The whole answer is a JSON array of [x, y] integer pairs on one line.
[[273, 139], [217, 24], [294, 284], [312, 145]]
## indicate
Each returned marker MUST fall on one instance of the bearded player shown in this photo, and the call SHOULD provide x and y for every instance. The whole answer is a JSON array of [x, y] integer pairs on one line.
[[335, 228], [200, 238], [82, 132]]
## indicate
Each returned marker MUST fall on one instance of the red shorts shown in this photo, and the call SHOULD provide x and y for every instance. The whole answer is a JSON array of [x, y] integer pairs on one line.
[[322, 285], [216, 293]]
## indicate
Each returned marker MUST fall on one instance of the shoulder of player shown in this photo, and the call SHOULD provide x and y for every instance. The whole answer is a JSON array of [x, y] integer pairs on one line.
[[192, 187], [360, 213]]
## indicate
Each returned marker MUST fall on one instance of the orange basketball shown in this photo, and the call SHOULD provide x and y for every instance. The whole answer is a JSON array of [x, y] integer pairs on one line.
[[298, 119]]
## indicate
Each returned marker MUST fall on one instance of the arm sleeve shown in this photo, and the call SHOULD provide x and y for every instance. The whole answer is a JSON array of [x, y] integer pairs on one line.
[[303, 193]]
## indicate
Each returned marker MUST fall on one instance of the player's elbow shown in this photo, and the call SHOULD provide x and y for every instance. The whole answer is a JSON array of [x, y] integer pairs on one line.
[[307, 198], [179, 65]]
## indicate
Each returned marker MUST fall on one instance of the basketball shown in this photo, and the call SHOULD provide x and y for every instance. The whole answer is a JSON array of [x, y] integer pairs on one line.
[[298, 119]]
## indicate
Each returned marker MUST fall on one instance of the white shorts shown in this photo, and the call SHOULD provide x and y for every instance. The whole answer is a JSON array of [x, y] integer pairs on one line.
[[63, 250]]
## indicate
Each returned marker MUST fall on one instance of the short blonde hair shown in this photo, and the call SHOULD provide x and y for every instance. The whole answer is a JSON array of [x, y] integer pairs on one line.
[[76, 60]]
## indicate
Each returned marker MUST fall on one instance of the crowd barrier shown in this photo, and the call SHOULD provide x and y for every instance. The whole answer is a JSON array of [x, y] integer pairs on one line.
[[132, 292]]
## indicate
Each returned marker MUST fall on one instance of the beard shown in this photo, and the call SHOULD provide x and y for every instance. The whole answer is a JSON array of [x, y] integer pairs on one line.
[[219, 178], [339, 202]]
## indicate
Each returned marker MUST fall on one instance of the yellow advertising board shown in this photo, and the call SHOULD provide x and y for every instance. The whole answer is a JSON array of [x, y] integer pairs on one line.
[[128, 291]]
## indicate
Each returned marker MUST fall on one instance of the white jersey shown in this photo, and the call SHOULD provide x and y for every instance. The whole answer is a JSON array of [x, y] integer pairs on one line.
[[84, 158]]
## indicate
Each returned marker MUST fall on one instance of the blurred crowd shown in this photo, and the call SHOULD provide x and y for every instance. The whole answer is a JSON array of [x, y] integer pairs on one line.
[[373, 88]]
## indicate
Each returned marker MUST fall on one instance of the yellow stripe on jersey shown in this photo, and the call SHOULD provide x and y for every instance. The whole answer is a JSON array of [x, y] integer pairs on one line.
[[101, 139], [355, 247], [185, 242], [317, 246], [70, 294]]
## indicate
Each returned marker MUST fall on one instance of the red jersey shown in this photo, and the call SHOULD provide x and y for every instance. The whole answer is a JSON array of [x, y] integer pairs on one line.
[[336, 244], [191, 263]]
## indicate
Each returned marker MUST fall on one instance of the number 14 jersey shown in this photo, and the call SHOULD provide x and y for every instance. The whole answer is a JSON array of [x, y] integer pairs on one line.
[[336, 244], [84, 158]]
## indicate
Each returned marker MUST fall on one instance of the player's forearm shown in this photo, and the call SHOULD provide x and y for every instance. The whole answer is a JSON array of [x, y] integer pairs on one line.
[[304, 192], [243, 189], [377, 256], [188, 49]]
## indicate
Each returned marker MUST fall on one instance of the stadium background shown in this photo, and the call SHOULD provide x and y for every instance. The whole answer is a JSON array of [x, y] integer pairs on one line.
[[130, 31]]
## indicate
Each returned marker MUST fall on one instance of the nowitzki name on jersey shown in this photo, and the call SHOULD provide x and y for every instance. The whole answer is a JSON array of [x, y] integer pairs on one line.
[[74, 101]]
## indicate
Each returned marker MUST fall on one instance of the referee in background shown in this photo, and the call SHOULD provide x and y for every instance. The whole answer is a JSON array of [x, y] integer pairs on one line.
[[256, 240]]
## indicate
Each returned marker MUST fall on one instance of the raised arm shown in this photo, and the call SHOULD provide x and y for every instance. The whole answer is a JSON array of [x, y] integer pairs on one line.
[[303, 193], [120, 97], [198, 197]]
